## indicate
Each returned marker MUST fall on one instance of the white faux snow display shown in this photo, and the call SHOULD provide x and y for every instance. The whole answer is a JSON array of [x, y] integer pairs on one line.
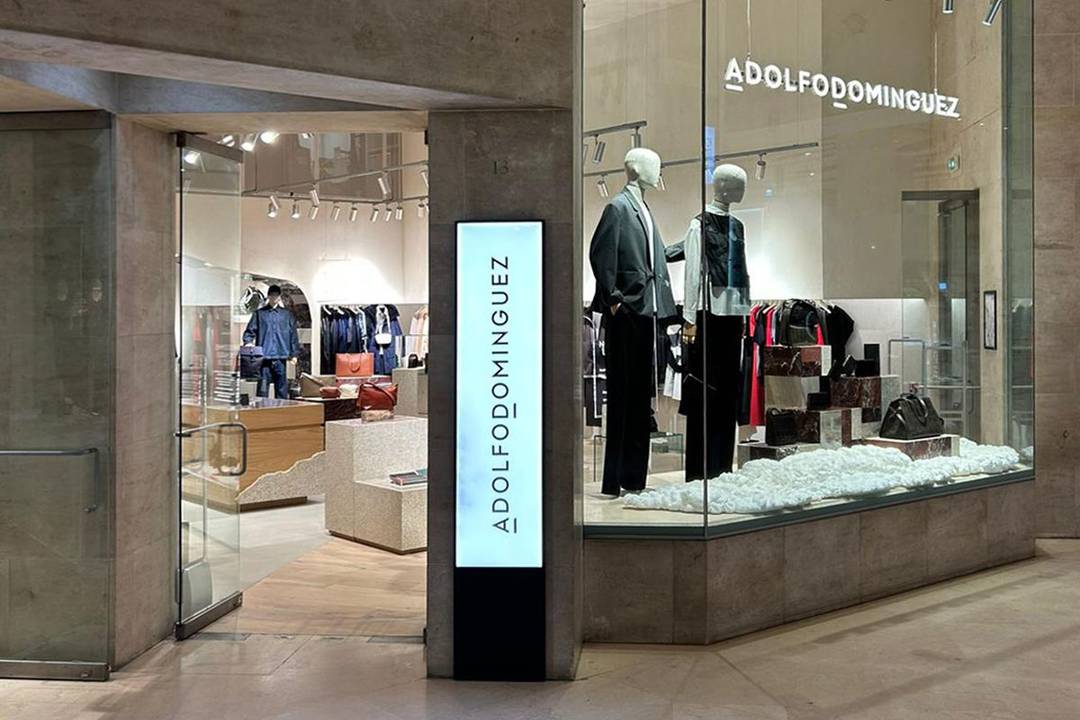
[[849, 472]]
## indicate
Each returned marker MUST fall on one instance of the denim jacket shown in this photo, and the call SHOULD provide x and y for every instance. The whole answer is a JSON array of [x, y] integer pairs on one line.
[[274, 330]]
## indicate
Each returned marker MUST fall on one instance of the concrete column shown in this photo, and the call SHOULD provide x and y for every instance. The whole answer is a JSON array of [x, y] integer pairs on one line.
[[145, 499], [1057, 269], [519, 165]]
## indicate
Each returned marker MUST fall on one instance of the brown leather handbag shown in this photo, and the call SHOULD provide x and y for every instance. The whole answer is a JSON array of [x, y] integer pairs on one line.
[[354, 364], [377, 397], [330, 393]]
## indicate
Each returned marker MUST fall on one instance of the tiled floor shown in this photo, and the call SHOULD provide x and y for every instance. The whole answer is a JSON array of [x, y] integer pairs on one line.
[[1000, 645]]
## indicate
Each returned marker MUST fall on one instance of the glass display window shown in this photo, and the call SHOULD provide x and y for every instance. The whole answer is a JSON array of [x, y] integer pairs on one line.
[[807, 284]]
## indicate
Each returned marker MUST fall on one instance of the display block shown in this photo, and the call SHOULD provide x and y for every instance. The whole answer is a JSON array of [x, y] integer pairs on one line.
[[804, 361], [763, 451], [361, 503], [790, 392], [829, 428], [923, 449], [856, 392], [412, 384]]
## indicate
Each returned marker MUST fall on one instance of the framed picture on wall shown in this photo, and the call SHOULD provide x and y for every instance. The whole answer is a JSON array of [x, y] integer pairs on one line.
[[990, 320]]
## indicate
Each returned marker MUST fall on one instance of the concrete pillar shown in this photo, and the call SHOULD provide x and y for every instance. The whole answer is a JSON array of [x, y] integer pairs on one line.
[[518, 165], [145, 494]]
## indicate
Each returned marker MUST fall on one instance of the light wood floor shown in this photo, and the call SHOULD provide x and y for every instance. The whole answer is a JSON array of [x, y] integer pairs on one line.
[[341, 589]]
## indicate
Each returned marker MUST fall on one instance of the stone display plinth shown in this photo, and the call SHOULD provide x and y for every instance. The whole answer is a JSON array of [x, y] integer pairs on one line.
[[922, 449]]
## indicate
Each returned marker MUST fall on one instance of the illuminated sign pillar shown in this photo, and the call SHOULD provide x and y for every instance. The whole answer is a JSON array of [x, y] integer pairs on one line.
[[499, 631]]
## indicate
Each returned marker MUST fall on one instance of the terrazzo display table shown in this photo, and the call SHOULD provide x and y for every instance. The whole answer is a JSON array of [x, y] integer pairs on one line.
[[362, 504]]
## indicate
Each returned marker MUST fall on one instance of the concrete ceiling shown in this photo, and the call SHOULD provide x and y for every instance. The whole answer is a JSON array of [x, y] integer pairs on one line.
[[288, 122], [17, 96], [599, 13]]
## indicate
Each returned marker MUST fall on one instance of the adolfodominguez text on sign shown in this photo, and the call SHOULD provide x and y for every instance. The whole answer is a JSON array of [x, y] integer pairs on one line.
[[842, 91], [499, 395]]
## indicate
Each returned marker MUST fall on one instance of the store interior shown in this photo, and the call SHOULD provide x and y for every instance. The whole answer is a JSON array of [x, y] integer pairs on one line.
[[880, 230], [303, 381]]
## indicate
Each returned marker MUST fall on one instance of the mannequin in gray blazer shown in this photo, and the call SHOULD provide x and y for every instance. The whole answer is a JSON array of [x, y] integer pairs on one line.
[[618, 255], [633, 294]]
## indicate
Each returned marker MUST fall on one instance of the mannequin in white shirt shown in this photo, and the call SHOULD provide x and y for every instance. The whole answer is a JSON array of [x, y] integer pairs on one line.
[[717, 297]]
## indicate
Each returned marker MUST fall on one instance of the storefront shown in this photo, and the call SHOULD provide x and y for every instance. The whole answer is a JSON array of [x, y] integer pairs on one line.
[[808, 320]]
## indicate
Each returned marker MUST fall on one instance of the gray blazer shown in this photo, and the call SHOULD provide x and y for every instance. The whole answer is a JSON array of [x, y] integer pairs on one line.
[[621, 268]]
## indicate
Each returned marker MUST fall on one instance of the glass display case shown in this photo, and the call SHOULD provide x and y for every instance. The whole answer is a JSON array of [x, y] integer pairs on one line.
[[808, 286]]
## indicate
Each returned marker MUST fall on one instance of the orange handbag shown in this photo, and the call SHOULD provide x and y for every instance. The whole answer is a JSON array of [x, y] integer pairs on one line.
[[377, 397], [354, 364]]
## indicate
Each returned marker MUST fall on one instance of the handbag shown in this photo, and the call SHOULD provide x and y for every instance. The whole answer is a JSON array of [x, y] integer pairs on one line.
[[251, 358], [354, 364], [867, 368], [817, 401], [311, 386], [329, 393], [349, 391], [911, 417], [377, 397], [781, 427]]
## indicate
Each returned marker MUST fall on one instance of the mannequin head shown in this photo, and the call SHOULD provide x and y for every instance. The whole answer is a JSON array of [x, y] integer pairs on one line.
[[273, 296], [643, 167], [729, 184]]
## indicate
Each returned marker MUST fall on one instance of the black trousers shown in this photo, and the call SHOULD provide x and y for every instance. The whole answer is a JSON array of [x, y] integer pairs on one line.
[[714, 359], [629, 348]]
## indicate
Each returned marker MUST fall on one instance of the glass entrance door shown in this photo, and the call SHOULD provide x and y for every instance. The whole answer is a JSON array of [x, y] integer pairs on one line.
[[213, 444]]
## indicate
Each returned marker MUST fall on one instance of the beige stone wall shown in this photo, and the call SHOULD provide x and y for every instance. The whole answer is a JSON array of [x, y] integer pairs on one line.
[[144, 605], [1057, 265], [970, 67]]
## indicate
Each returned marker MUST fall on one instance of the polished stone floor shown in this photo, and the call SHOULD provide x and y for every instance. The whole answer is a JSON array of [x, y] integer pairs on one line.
[[1000, 645]]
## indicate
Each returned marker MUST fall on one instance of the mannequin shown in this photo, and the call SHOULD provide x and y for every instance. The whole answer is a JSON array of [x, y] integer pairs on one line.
[[273, 327], [633, 293], [717, 300]]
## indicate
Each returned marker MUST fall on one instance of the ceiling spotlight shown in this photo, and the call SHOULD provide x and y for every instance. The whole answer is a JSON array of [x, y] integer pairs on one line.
[[295, 213], [273, 208], [313, 212], [305, 136], [424, 174], [384, 186], [269, 136], [314, 194], [635, 139], [248, 143], [660, 185], [191, 157], [228, 140], [354, 210], [585, 151], [427, 208], [760, 172], [374, 213], [598, 154], [420, 209], [389, 213], [601, 187], [399, 212], [335, 213], [992, 13], [948, 7]]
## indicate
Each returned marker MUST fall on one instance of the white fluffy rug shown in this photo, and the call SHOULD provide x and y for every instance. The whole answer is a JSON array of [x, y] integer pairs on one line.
[[803, 478]]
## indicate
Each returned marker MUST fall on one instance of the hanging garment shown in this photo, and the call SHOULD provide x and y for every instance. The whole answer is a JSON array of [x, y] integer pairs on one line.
[[384, 328]]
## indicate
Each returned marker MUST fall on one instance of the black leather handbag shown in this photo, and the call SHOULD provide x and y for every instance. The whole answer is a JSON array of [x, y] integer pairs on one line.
[[781, 427], [911, 417]]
